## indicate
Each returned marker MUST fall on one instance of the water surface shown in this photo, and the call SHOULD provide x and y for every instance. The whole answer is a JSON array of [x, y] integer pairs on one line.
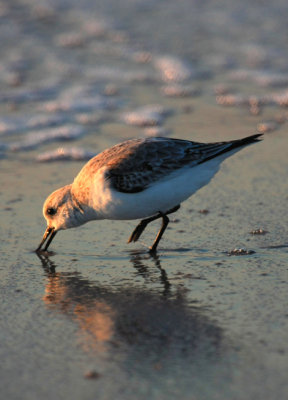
[[102, 319]]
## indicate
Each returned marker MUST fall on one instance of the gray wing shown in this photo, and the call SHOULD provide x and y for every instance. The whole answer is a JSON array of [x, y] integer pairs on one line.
[[136, 164]]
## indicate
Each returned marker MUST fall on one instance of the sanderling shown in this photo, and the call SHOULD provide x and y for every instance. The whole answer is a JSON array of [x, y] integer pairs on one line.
[[142, 179]]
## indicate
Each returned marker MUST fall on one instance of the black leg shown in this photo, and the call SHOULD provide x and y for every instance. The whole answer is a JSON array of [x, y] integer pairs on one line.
[[142, 225], [165, 222]]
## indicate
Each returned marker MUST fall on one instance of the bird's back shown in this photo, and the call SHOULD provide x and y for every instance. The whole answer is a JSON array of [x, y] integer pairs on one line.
[[135, 164]]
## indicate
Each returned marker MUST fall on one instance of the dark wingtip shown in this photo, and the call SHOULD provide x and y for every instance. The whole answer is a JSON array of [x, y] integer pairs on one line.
[[257, 137], [246, 141], [250, 139]]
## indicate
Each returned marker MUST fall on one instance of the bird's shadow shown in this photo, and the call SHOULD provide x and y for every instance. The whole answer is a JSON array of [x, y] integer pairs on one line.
[[156, 321]]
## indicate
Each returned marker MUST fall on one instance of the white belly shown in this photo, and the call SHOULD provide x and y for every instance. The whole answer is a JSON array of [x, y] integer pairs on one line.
[[161, 196]]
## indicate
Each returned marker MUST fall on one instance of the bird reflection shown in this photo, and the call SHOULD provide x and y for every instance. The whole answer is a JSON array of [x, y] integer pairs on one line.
[[137, 259], [148, 320]]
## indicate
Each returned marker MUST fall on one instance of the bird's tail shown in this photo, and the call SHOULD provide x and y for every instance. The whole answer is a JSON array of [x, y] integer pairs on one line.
[[218, 148], [247, 140]]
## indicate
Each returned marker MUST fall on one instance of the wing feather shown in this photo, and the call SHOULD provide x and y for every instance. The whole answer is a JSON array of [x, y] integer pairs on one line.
[[135, 164], [150, 160]]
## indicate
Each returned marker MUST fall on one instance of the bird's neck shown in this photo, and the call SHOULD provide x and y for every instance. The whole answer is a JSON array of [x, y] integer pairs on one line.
[[81, 204]]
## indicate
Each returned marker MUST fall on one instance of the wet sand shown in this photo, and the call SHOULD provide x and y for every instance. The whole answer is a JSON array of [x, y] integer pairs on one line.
[[100, 318]]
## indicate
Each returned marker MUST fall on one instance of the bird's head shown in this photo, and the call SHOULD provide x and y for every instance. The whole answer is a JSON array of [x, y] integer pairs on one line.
[[61, 211]]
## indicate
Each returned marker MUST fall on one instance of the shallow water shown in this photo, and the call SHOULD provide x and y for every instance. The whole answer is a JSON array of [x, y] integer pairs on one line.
[[99, 318]]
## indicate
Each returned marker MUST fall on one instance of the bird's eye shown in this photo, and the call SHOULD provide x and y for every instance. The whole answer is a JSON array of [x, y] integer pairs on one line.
[[51, 211]]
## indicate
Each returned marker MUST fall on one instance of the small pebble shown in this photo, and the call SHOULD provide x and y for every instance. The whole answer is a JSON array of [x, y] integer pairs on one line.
[[92, 375], [258, 231], [204, 211], [240, 252]]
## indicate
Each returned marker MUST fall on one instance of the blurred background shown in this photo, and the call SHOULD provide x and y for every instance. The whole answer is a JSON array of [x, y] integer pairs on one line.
[[206, 318]]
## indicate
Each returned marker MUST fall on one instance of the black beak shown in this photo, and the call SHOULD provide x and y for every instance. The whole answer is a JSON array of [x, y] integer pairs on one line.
[[49, 236]]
